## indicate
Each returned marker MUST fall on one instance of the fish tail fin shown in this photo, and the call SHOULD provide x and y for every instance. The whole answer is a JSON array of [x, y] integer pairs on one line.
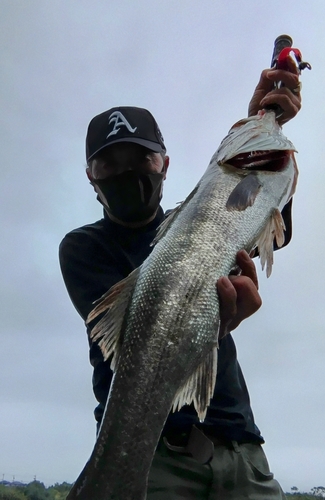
[[108, 329], [274, 229], [198, 388]]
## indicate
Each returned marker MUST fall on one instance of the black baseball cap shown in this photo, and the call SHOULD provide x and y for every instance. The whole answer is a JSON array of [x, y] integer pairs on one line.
[[123, 124]]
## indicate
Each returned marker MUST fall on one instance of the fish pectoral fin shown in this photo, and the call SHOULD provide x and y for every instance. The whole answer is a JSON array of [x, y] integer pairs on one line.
[[244, 194], [108, 329], [198, 388], [274, 229]]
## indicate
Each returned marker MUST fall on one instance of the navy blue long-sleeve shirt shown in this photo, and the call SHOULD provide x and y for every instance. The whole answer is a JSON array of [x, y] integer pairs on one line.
[[95, 257]]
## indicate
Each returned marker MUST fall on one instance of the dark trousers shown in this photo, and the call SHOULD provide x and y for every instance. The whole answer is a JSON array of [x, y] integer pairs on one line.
[[236, 472]]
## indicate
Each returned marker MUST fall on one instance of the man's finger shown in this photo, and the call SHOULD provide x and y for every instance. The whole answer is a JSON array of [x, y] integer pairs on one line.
[[247, 266], [279, 75], [285, 96], [228, 303], [228, 298], [248, 298], [266, 94]]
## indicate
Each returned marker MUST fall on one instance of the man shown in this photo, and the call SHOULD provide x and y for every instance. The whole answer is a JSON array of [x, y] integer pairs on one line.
[[127, 164]]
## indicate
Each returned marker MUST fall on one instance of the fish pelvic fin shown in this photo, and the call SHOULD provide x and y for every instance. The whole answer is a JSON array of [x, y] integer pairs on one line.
[[108, 329], [274, 229], [198, 388], [244, 194]]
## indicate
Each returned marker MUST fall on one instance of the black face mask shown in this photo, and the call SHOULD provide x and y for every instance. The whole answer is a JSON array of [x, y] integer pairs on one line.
[[131, 197]]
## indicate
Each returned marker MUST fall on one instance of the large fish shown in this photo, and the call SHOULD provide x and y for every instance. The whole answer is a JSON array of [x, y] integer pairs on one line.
[[162, 321]]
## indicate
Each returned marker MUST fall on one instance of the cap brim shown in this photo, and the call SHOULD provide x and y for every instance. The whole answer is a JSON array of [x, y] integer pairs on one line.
[[153, 146]]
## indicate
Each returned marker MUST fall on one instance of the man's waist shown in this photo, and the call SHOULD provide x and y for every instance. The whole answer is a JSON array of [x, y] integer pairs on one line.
[[219, 436], [198, 444]]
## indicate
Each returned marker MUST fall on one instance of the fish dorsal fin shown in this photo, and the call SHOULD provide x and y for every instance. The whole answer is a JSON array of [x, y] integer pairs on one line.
[[274, 228], [108, 329], [244, 194], [166, 224], [198, 388]]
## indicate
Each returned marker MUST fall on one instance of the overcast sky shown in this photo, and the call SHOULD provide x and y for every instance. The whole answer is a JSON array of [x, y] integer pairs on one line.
[[194, 64]]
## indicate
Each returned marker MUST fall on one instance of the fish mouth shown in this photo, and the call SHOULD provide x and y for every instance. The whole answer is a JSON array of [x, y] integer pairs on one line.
[[269, 160]]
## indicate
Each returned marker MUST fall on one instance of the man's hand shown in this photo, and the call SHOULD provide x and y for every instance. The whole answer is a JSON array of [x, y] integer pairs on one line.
[[238, 295], [287, 97]]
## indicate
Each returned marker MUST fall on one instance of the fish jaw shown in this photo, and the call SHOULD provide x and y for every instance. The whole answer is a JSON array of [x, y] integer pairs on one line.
[[256, 142], [272, 161]]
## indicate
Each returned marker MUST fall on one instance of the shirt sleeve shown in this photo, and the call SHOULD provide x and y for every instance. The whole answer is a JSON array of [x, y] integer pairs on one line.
[[88, 270]]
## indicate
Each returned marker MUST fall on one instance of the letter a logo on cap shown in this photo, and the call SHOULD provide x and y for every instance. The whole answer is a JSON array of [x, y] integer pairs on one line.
[[119, 120]]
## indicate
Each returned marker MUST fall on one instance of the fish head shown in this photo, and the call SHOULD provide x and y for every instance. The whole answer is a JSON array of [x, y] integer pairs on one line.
[[256, 143]]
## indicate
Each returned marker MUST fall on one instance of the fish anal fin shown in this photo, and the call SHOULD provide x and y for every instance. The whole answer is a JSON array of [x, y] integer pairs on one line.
[[274, 229], [244, 194], [108, 329], [198, 388]]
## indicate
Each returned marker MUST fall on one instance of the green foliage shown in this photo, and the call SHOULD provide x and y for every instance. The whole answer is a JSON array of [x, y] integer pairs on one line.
[[302, 496], [313, 495], [35, 491], [59, 491], [11, 493], [318, 491]]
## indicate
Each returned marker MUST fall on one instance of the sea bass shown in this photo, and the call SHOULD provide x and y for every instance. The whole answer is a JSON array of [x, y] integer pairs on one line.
[[161, 323]]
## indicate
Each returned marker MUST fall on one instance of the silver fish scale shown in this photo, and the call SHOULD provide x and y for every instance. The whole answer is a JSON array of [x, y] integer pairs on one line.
[[172, 325]]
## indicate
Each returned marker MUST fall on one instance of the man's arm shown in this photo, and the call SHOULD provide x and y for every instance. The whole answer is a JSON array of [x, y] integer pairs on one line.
[[88, 271]]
